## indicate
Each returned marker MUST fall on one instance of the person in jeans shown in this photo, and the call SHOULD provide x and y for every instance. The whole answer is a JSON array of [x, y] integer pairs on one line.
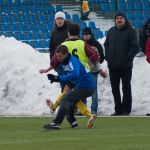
[[121, 46], [89, 38], [74, 72]]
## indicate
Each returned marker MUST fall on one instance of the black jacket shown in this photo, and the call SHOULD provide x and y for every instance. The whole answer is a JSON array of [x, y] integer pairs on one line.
[[94, 43], [121, 46], [58, 36]]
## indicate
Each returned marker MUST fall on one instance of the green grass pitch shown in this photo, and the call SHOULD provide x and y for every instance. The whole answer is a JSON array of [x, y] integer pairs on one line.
[[108, 133]]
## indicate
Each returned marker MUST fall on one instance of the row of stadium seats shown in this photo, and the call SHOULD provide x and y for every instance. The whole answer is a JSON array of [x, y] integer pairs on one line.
[[24, 9], [30, 24], [18, 2], [119, 1]]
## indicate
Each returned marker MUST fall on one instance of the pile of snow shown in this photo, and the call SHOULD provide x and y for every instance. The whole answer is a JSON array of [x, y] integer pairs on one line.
[[23, 90]]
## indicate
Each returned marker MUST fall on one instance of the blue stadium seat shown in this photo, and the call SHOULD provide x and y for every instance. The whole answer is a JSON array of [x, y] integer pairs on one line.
[[105, 7], [92, 25], [129, 6], [1, 2], [38, 36], [46, 35], [121, 6], [130, 16], [5, 28], [14, 28], [51, 10], [75, 18], [137, 24], [83, 25], [59, 8], [21, 37], [139, 16], [23, 27], [43, 18], [68, 17], [137, 6], [29, 36], [9, 2], [145, 6]]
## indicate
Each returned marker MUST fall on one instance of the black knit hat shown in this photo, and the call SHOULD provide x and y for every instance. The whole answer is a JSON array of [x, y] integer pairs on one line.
[[87, 30], [121, 14]]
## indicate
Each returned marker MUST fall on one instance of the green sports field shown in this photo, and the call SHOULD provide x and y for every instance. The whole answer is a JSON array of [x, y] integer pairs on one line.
[[108, 133]]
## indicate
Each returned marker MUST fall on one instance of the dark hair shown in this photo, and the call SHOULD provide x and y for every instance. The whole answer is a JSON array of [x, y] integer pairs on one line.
[[73, 29], [61, 49]]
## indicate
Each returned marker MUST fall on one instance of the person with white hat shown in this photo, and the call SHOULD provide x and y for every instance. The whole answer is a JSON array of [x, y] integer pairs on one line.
[[59, 34]]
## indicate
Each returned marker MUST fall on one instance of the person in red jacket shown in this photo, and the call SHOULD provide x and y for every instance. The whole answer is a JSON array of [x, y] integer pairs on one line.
[[148, 49]]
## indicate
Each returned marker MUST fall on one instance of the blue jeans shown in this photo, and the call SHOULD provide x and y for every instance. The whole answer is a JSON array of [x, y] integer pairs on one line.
[[94, 105]]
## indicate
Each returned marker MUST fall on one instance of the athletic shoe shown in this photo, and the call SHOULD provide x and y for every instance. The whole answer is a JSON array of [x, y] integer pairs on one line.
[[51, 126], [91, 121], [74, 124], [49, 104]]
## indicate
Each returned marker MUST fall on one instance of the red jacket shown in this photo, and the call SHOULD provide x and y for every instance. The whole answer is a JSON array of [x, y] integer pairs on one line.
[[148, 49], [90, 52]]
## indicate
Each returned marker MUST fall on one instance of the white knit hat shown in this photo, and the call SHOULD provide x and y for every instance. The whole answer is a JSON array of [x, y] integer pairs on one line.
[[60, 14]]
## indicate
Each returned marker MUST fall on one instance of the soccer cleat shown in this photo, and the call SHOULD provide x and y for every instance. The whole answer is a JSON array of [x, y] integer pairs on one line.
[[49, 104], [74, 125], [51, 126], [91, 121]]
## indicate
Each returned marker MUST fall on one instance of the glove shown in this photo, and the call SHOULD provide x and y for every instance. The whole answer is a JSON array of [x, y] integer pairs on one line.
[[70, 85], [53, 78]]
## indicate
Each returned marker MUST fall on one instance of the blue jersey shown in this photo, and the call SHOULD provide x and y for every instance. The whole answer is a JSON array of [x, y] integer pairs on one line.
[[73, 71]]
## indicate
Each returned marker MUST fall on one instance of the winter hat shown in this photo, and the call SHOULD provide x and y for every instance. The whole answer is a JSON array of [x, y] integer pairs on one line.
[[60, 14], [121, 14], [87, 30]]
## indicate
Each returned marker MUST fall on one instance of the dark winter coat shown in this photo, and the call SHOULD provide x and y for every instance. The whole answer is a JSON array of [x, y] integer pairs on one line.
[[58, 36], [121, 46]]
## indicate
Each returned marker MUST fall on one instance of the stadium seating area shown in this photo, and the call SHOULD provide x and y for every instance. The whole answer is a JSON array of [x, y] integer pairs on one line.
[[32, 21], [137, 10]]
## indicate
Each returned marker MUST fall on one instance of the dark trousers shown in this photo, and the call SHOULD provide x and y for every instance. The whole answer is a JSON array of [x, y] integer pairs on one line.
[[125, 75], [68, 102]]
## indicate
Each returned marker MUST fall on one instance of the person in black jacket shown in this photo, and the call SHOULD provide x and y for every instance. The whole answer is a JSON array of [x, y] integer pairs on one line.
[[89, 38], [121, 46], [59, 34]]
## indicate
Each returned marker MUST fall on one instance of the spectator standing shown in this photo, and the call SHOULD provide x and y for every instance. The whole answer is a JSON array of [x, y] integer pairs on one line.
[[121, 46], [59, 34], [85, 10], [89, 38]]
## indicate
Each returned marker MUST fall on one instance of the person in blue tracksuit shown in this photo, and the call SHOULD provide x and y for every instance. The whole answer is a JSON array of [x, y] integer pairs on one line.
[[72, 71]]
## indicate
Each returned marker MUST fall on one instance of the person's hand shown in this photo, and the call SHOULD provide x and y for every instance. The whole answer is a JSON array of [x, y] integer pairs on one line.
[[103, 73], [53, 78], [43, 71]]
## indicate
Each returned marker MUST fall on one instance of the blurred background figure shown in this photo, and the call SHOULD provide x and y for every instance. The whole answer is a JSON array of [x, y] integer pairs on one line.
[[85, 10], [144, 33], [89, 38]]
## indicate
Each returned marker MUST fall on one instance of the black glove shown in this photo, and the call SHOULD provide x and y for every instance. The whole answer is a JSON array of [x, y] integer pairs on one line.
[[70, 85], [53, 78]]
